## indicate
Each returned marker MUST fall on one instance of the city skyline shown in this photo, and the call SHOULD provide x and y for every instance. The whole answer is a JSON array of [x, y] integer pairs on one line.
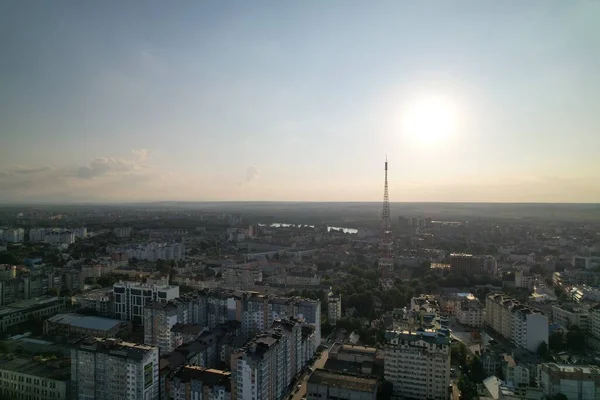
[[471, 101]]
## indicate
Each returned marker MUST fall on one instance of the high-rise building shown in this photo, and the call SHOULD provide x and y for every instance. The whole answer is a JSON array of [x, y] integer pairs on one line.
[[418, 364], [334, 308], [260, 368], [113, 370], [159, 318], [130, 298]]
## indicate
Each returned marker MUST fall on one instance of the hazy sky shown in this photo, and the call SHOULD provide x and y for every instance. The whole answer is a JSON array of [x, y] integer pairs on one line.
[[298, 100]]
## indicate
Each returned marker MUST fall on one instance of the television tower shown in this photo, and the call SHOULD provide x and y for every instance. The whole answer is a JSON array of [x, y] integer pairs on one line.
[[386, 242]]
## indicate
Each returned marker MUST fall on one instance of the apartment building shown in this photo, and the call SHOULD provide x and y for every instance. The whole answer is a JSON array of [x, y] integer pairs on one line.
[[20, 312], [257, 369], [464, 264], [334, 308], [100, 300], [418, 364], [192, 382], [264, 368], [110, 369], [470, 312], [525, 326], [326, 385], [570, 314], [159, 319], [34, 378], [581, 382], [130, 298]]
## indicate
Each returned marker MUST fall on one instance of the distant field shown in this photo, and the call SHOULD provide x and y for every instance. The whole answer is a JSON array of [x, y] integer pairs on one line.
[[356, 213]]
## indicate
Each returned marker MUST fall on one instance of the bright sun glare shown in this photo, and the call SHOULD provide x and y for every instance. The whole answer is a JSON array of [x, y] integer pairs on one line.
[[430, 120]]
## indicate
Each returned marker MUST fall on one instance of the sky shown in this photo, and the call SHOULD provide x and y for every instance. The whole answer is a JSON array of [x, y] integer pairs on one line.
[[113, 101]]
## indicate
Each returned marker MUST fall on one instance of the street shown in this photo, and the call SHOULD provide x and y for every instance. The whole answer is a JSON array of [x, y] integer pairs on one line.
[[318, 364]]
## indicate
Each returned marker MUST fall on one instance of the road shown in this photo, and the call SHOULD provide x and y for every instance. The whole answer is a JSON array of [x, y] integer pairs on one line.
[[320, 363]]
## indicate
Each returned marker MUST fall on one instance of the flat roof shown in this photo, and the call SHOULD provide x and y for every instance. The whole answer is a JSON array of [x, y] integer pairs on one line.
[[57, 370], [85, 321], [38, 302], [346, 381]]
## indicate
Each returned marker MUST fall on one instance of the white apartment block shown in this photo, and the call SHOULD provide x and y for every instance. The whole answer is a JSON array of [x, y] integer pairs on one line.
[[471, 313], [418, 364], [334, 308], [568, 315], [130, 298], [525, 326], [580, 382], [113, 370]]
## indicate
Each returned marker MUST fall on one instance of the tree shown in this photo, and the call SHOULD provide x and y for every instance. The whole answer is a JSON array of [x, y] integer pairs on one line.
[[542, 351], [386, 390], [458, 353], [476, 370], [575, 340], [556, 341]]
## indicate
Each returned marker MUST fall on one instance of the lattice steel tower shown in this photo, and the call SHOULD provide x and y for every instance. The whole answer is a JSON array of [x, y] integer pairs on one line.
[[386, 241]]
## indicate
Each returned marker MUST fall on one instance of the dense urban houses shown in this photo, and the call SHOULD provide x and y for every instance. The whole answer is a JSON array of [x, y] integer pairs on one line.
[[130, 298], [418, 364], [110, 369]]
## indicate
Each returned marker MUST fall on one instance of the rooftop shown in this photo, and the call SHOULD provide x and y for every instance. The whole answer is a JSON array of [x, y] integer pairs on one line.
[[56, 370], [115, 347], [209, 377], [85, 321], [346, 381], [39, 302]]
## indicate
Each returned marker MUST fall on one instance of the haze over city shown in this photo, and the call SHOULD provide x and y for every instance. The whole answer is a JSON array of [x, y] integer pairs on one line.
[[471, 101]]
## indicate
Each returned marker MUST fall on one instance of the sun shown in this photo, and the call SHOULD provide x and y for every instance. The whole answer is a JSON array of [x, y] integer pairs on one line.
[[430, 120]]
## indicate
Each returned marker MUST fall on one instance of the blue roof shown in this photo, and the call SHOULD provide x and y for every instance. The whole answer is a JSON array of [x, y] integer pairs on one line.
[[85, 321]]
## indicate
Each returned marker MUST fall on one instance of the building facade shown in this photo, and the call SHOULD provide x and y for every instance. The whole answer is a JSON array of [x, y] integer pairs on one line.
[[159, 319], [130, 298], [525, 326], [334, 308], [418, 364], [18, 313], [35, 379], [113, 370], [581, 382]]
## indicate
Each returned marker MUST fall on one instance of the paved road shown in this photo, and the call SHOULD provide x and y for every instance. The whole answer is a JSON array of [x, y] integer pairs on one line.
[[318, 364]]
